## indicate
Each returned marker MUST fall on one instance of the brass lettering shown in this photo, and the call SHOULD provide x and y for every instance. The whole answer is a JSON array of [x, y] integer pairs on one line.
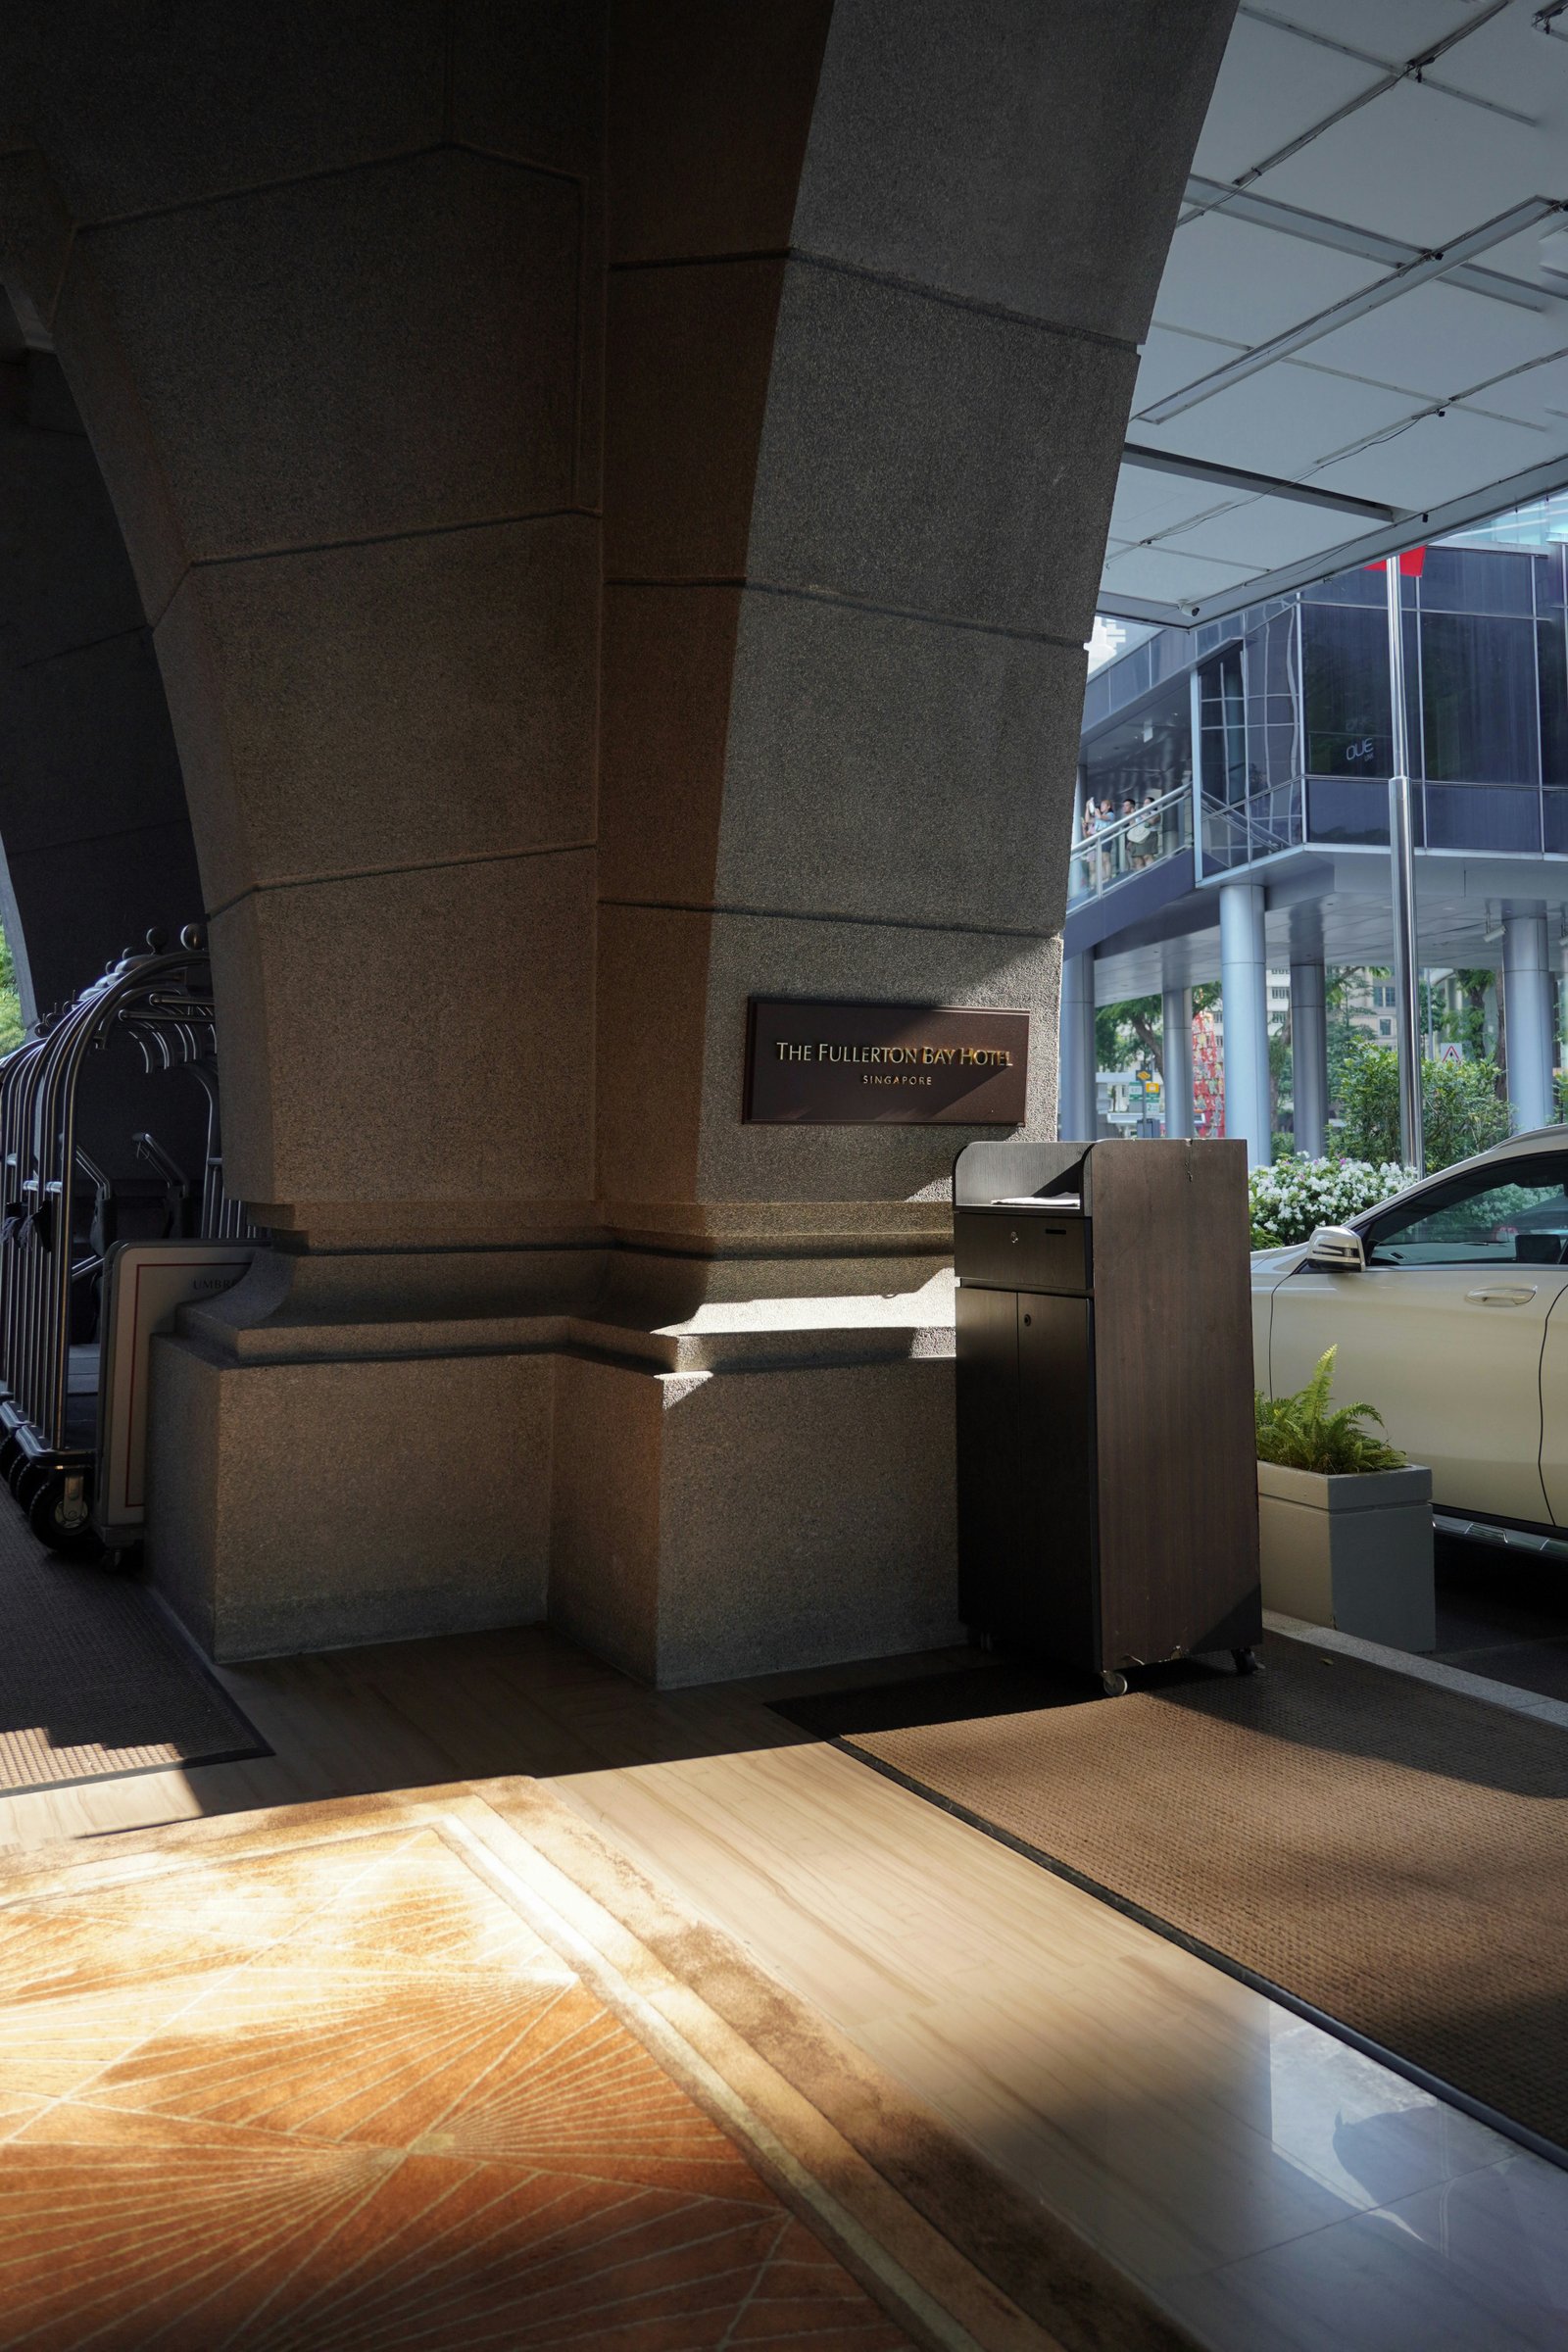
[[915, 1057]]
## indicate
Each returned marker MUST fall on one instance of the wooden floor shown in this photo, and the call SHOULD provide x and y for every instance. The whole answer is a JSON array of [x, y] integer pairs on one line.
[[1270, 2186]]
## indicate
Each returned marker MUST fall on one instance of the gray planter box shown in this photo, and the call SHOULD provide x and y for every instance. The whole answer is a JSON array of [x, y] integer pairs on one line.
[[1351, 1552]]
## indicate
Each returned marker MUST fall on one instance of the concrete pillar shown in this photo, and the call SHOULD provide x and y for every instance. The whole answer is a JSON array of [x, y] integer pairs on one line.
[[1176, 1058], [1076, 1085], [557, 656], [1309, 1056], [1243, 988], [1527, 1003]]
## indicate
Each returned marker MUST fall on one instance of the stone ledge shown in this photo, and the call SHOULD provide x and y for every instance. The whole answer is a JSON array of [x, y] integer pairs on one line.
[[1418, 1669], [751, 1347]]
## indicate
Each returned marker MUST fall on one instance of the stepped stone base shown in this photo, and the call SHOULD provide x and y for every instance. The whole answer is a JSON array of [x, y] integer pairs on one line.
[[757, 1483]]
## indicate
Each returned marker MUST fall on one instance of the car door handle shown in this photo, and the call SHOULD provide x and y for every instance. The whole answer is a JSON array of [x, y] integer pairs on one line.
[[1519, 1295]]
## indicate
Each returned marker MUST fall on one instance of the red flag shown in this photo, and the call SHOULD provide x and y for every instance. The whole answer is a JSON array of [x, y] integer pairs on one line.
[[1410, 564]]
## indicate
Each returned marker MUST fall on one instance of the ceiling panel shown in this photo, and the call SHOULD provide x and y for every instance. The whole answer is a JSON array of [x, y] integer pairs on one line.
[[1263, 532], [1438, 339], [1154, 572], [1392, 29], [1440, 458], [1519, 256], [1229, 279], [1172, 358], [1272, 88], [1281, 422], [1540, 396], [1508, 61], [1351, 410], [1147, 502], [1417, 165]]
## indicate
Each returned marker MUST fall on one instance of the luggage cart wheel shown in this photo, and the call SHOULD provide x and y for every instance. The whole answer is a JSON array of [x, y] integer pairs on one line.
[[1247, 1661], [57, 1524], [23, 1478], [1113, 1683]]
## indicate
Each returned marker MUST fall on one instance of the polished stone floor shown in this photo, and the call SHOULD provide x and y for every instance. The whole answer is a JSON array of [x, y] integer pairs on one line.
[[1264, 2184], [337, 2091]]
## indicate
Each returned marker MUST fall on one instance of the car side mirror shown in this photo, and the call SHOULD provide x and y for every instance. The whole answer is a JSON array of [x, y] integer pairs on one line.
[[1337, 1249]]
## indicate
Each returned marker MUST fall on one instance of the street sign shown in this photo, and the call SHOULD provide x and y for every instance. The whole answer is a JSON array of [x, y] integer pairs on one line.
[[1449, 1050]]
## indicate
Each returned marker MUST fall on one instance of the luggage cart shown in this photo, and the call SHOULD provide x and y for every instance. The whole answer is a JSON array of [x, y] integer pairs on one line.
[[65, 1216]]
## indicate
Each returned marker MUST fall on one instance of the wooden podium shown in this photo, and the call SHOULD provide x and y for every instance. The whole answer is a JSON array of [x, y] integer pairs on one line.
[[1108, 1488]]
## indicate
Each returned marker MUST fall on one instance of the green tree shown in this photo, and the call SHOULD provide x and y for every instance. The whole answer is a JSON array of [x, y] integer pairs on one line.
[[1461, 1112], [1133, 1031], [11, 1024], [1128, 1032], [1344, 1038], [1281, 1079], [1467, 1025], [1465, 1109]]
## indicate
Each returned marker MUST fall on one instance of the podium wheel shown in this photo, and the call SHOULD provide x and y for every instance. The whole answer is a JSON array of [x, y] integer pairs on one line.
[[1113, 1683]]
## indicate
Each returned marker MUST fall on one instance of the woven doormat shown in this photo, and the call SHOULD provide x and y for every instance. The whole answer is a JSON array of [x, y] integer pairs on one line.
[[1391, 1854], [94, 1682]]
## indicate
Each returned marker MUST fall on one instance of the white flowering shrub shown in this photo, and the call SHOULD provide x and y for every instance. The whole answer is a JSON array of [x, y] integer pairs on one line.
[[1292, 1199]]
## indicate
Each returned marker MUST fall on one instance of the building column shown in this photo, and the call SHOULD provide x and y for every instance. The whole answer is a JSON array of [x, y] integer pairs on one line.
[[1526, 985], [1309, 1058], [1176, 1056], [1244, 986], [559, 658], [1075, 1086]]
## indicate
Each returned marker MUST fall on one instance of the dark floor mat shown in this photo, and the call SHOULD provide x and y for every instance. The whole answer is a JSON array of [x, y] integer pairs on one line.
[[1390, 1853], [93, 1681], [1539, 1666], [1489, 1597]]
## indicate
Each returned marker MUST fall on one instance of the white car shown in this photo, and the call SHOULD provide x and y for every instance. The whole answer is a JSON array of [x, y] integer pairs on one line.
[[1448, 1305]]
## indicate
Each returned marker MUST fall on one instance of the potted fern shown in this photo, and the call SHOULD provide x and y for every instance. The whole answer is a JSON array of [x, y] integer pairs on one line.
[[1345, 1520]]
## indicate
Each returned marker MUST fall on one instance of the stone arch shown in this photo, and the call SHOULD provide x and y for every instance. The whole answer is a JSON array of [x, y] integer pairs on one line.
[[878, 283], [617, 492]]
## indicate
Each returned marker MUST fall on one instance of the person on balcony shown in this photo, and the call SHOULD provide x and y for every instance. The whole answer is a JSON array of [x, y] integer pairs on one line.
[[1087, 865], [1126, 818], [1143, 832]]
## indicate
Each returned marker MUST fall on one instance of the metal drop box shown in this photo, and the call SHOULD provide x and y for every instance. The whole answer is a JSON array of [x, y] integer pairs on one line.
[[1107, 1492]]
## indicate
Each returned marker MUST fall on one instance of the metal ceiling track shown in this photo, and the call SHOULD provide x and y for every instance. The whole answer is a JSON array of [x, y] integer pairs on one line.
[[1367, 244], [1477, 506], [1255, 486], [1414, 71], [1431, 266], [1414, 68]]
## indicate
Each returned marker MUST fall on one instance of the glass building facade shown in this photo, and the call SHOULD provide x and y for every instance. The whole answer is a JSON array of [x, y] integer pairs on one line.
[[1293, 710]]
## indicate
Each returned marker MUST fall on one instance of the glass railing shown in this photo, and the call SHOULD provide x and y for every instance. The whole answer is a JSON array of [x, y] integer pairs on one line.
[[1124, 846], [1235, 832]]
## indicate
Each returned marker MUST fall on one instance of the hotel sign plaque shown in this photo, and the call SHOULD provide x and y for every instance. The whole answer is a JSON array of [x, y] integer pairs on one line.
[[811, 1064]]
